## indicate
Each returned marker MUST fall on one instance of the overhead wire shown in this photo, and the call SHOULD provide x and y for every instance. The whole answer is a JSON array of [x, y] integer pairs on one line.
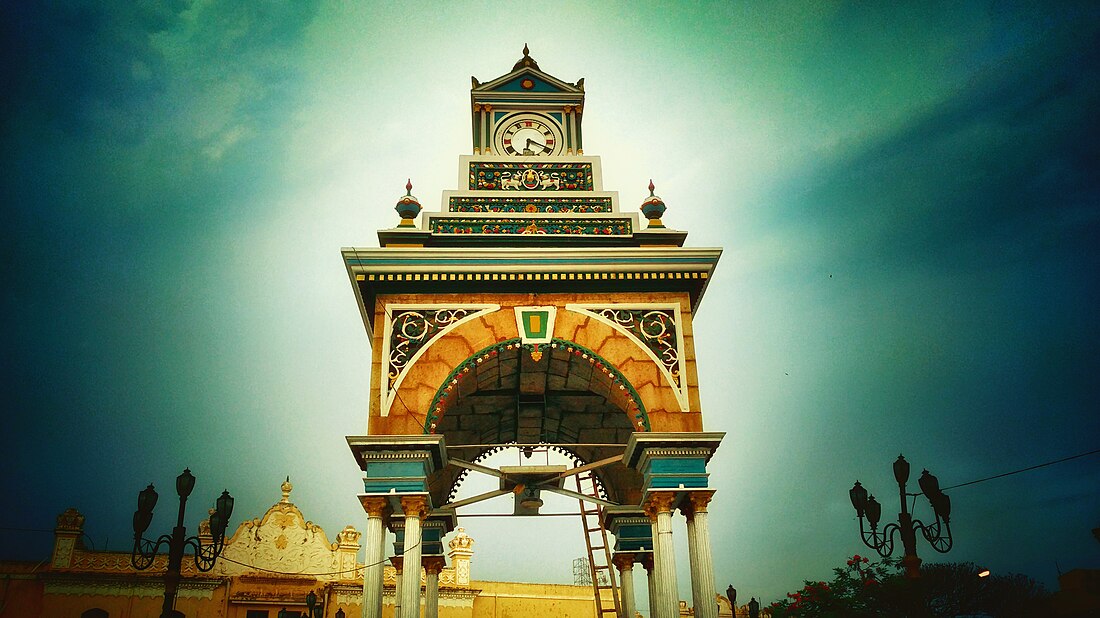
[[360, 567], [1042, 465]]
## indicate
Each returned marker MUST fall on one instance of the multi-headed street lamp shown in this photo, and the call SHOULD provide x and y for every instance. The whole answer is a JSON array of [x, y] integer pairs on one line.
[[145, 551], [937, 534]]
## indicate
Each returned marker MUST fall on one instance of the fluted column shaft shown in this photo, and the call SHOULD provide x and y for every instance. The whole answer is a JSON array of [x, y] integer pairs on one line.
[[397, 560], [651, 582], [432, 567], [416, 509], [625, 564], [659, 508], [702, 562], [372, 574]]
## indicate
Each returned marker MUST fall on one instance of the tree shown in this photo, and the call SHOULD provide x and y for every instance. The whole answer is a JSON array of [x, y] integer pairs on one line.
[[865, 589]]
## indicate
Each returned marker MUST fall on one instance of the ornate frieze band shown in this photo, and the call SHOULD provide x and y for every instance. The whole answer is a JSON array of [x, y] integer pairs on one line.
[[507, 225], [529, 203], [409, 331], [655, 329], [573, 176]]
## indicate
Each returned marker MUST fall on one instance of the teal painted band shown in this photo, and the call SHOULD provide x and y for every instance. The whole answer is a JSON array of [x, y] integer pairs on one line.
[[389, 469], [674, 482], [677, 465], [385, 486]]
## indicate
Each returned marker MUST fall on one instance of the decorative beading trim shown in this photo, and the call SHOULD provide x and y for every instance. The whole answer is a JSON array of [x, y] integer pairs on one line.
[[650, 453], [655, 329], [409, 331]]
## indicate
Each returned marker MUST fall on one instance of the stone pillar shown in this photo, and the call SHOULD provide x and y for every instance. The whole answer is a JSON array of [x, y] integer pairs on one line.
[[658, 507], [651, 581], [702, 563], [461, 552], [416, 509], [397, 562], [624, 561], [375, 508], [433, 565]]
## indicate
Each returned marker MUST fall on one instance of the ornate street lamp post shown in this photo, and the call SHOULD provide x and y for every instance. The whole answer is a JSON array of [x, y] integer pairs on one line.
[[937, 534], [145, 551], [315, 610]]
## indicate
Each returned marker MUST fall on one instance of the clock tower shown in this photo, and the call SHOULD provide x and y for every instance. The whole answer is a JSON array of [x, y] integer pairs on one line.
[[527, 113], [529, 312]]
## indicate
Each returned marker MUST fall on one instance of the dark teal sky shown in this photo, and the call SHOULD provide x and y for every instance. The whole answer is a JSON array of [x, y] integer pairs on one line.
[[907, 198]]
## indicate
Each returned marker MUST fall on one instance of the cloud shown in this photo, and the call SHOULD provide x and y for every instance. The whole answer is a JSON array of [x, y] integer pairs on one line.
[[1002, 169]]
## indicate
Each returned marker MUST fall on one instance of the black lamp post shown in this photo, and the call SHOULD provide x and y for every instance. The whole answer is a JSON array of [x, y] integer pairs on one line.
[[314, 609], [145, 551], [937, 534]]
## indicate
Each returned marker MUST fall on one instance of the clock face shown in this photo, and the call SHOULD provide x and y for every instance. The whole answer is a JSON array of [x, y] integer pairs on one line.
[[528, 135]]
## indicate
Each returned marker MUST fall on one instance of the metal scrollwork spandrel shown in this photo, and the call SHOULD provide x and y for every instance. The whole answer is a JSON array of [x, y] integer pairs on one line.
[[411, 329], [656, 329]]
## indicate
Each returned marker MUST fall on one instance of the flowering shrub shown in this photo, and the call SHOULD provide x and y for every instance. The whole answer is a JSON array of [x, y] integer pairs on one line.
[[853, 592]]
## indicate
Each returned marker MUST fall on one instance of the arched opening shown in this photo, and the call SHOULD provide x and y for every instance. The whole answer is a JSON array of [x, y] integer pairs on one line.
[[559, 393]]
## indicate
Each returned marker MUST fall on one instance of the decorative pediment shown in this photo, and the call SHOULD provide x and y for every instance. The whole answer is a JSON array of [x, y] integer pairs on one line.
[[284, 542], [526, 76]]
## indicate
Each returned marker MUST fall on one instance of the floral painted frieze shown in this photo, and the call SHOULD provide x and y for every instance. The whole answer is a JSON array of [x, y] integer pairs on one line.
[[555, 204], [504, 225], [530, 176], [410, 330], [655, 329]]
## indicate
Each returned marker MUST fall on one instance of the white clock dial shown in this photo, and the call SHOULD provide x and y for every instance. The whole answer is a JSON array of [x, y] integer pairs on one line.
[[528, 135]]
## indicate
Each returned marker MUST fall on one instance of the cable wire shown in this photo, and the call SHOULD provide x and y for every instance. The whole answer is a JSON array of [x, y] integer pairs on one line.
[[997, 476]]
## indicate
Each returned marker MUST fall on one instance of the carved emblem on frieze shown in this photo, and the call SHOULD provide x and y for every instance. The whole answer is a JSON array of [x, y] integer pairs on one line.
[[510, 176]]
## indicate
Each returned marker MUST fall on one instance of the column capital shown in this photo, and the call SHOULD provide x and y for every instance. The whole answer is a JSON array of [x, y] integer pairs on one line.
[[433, 564], [623, 560], [646, 558], [487, 107], [477, 107], [414, 506], [658, 502], [375, 506], [696, 502], [397, 562]]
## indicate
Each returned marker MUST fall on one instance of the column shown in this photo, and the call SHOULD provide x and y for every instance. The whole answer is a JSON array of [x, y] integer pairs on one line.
[[651, 581], [487, 128], [397, 562], [433, 565], [624, 561], [372, 574], [702, 563], [580, 150], [477, 128], [416, 509], [659, 508]]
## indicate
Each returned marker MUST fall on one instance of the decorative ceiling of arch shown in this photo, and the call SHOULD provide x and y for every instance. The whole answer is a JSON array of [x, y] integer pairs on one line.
[[569, 395]]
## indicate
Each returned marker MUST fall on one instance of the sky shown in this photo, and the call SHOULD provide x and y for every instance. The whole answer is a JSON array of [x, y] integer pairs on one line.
[[906, 194]]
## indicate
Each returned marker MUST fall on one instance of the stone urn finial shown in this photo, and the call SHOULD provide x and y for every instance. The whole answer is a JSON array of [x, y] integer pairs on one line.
[[286, 487]]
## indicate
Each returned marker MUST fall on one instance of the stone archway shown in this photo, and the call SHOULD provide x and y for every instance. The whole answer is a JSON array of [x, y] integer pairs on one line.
[[560, 393]]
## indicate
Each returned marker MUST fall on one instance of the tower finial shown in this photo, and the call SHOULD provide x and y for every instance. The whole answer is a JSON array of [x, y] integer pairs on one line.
[[526, 52], [409, 187], [651, 187]]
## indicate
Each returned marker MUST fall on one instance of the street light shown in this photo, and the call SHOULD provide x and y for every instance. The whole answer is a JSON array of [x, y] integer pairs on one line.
[[314, 609], [145, 551], [937, 534]]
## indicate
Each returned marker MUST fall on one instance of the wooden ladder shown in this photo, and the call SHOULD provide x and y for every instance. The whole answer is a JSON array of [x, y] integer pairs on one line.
[[599, 552]]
